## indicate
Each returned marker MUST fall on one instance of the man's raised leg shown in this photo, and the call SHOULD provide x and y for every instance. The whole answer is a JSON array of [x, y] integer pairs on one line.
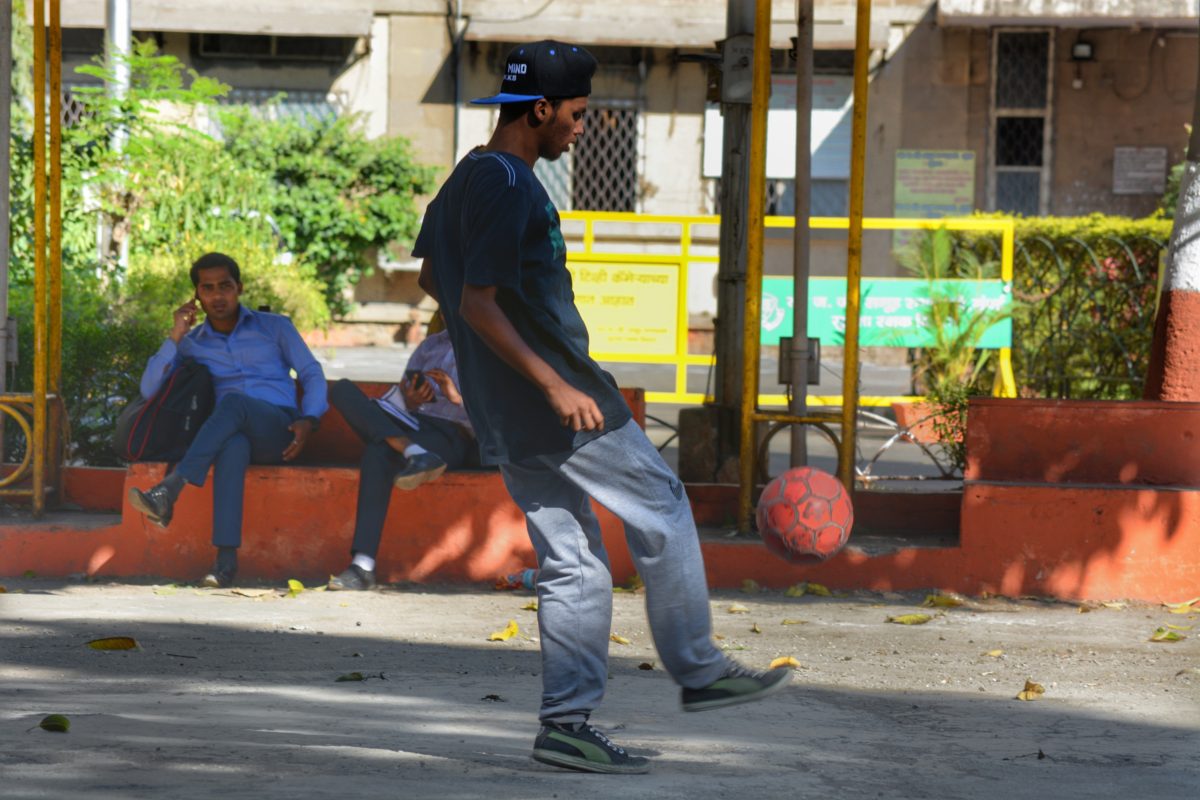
[[625, 473]]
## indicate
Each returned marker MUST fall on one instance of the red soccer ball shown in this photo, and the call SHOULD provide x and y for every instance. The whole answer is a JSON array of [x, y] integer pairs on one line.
[[805, 516]]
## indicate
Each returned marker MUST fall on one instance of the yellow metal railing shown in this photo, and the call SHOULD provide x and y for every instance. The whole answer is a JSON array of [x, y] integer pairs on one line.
[[684, 253], [39, 413]]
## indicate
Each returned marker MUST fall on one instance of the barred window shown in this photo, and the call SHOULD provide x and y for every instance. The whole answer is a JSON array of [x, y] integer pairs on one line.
[[1020, 121], [600, 173], [604, 168]]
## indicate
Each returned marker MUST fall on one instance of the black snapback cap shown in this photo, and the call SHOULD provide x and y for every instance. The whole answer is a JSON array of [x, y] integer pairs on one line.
[[544, 69]]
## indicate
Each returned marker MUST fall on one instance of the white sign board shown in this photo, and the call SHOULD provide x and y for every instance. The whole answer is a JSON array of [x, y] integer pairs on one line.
[[1139, 170], [832, 101]]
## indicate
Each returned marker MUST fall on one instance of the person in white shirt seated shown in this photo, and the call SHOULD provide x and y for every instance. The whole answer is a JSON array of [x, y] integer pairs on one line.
[[413, 433]]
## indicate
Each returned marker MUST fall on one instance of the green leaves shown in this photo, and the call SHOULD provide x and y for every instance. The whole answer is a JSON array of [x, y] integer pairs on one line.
[[55, 723]]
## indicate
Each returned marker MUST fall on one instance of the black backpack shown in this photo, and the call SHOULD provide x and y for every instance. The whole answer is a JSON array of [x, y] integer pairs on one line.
[[161, 428]]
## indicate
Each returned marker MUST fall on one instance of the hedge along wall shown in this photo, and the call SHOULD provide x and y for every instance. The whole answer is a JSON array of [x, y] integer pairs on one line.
[[1086, 290]]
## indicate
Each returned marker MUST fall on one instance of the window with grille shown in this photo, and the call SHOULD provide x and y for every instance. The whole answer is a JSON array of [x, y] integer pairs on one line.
[[272, 48], [604, 164], [601, 171], [301, 104], [826, 198], [1020, 121]]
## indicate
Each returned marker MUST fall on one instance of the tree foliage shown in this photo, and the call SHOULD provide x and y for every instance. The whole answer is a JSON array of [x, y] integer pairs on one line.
[[302, 212], [338, 196]]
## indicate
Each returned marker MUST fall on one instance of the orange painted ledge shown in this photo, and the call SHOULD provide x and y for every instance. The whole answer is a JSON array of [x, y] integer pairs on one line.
[[1052, 541], [1068, 500]]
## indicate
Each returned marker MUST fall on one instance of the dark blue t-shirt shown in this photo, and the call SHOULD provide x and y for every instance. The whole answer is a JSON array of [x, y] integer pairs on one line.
[[492, 224]]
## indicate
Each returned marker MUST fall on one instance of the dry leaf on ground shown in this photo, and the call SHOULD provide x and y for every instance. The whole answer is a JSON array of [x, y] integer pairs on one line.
[[910, 619], [738, 608], [1164, 635], [618, 638], [994, 653], [254, 593], [350, 676], [755, 629], [785, 661], [114, 643], [1032, 691], [794, 622], [634, 584], [55, 723], [942, 601], [509, 631], [295, 587]]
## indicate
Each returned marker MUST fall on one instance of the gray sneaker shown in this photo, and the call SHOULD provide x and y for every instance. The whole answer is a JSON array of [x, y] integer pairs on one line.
[[737, 685], [582, 747], [421, 468]]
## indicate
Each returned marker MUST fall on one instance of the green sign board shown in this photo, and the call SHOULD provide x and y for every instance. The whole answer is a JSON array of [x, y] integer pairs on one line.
[[935, 183], [892, 310]]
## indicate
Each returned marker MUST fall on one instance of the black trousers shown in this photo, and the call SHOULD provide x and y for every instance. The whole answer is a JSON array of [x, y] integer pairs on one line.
[[380, 462]]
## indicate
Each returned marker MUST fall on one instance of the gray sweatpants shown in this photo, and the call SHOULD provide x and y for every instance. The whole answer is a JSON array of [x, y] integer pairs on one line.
[[624, 472]]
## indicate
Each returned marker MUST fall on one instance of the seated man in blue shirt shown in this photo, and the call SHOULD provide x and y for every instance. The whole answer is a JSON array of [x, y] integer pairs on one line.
[[257, 417]]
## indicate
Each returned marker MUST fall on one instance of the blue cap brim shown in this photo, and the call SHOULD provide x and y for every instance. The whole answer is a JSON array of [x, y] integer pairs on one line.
[[505, 97]]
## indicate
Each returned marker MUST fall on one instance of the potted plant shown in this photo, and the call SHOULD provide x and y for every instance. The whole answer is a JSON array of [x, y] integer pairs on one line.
[[948, 370]]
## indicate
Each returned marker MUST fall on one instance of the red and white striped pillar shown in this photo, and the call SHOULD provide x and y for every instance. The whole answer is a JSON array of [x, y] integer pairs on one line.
[[1174, 373]]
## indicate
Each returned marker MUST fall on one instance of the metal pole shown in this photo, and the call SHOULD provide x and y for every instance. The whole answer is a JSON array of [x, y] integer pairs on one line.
[[858, 158], [54, 264], [731, 269], [756, 206], [118, 37], [38, 440], [5, 136], [801, 234]]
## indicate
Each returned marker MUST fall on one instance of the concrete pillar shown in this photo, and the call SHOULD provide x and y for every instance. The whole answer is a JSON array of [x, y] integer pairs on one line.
[[1174, 373], [421, 95]]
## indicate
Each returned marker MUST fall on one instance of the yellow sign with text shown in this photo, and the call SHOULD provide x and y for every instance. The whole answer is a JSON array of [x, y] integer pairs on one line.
[[630, 309]]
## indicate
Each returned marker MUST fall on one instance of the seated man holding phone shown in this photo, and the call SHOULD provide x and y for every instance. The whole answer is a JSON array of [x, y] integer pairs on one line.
[[413, 432], [258, 417]]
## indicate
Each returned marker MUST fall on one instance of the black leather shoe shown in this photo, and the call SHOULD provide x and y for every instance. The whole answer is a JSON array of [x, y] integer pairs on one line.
[[219, 578], [353, 579], [157, 504], [421, 468]]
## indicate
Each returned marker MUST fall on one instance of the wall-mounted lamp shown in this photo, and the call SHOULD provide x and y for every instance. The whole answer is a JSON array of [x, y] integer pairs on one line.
[[1082, 51]]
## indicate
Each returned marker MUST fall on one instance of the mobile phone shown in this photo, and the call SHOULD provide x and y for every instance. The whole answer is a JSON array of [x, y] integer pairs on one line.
[[416, 376]]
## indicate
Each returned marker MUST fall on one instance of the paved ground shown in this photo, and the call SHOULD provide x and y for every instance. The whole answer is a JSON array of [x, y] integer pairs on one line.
[[234, 696]]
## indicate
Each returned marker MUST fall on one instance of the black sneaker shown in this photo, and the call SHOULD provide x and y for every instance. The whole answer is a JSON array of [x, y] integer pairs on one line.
[[421, 468], [157, 504], [219, 578], [354, 579], [737, 685], [582, 747]]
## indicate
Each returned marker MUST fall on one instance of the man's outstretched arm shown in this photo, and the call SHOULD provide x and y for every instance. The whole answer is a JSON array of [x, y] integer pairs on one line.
[[575, 409]]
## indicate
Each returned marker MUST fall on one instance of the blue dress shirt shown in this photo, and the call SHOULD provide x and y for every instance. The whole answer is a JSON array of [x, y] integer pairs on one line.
[[254, 359]]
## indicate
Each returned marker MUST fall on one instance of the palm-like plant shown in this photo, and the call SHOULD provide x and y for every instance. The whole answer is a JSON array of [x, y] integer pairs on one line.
[[948, 369]]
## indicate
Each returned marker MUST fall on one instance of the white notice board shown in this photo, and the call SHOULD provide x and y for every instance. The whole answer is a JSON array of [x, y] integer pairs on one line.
[[832, 101]]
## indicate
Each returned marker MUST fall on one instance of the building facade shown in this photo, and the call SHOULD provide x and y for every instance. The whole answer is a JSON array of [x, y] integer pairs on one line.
[[1057, 107]]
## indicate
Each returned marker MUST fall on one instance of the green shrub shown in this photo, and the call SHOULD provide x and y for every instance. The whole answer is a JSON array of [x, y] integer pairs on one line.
[[1086, 292]]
